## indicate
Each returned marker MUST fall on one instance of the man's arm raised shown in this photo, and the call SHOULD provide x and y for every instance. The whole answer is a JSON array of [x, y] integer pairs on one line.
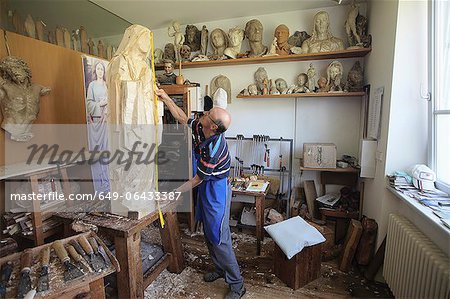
[[176, 111]]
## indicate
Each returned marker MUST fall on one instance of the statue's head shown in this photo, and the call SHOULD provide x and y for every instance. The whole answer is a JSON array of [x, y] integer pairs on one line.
[[15, 70]]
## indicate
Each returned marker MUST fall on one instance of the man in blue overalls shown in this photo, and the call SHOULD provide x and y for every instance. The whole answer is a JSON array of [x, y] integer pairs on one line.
[[214, 193]]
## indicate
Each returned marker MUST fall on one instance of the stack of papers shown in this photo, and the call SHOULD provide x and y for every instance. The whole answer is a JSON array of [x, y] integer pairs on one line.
[[329, 199]]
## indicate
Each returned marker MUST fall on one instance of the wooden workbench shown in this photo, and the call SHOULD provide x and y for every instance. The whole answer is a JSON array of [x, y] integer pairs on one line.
[[127, 239]]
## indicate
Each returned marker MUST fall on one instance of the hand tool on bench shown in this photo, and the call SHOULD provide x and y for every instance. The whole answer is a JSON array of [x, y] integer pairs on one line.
[[24, 285], [71, 271], [42, 284], [95, 246], [94, 261], [6, 272], [77, 258], [101, 251]]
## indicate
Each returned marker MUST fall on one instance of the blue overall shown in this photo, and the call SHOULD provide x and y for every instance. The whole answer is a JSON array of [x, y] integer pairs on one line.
[[213, 209]]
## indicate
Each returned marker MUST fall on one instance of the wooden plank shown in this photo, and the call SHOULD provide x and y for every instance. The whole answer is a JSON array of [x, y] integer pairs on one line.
[[366, 246], [171, 241], [311, 195], [128, 254], [271, 59], [348, 169], [305, 95], [154, 271], [351, 243], [97, 289]]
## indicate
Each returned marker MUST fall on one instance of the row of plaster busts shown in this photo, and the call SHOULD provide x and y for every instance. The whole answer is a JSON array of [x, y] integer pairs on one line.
[[332, 82], [76, 39], [228, 45]]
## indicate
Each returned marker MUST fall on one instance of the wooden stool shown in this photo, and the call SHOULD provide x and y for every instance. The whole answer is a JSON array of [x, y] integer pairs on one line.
[[301, 269]]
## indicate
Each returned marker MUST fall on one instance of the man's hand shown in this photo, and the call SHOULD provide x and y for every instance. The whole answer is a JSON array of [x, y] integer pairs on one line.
[[161, 93]]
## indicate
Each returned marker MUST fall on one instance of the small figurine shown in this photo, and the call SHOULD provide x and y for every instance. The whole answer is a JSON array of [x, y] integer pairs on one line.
[[101, 49], [109, 52], [169, 52], [321, 39], [273, 48], [67, 38], [192, 38], [354, 40], [178, 37], [273, 88], [355, 78], [75, 40], [322, 83], [83, 40], [260, 77], [254, 33], [204, 41], [235, 36], [168, 77], [335, 72], [91, 46], [40, 31], [266, 87], [252, 90], [302, 81], [282, 35], [311, 74], [281, 85], [30, 26], [185, 53]]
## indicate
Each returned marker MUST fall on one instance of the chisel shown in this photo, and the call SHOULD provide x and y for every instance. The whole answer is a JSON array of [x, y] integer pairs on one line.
[[24, 285], [94, 260], [6, 271], [78, 259], [42, 284], [94, 246], [71, 271], [103, 253]]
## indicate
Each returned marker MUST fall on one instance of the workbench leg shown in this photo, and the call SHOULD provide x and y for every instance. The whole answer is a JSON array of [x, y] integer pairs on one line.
[[97, 289], [259, 204], [130, 278], [171, 241]]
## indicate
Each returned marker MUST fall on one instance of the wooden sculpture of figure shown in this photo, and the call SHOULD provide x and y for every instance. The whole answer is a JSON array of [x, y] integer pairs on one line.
[[30, 26], [178, 37], [67, 38], [84, 40], [131, 114], [322, 85], [321, 39], [281, 85], [101, 51], [192, 38], [254, 33], [91, 46], [223, 82], [302, 81], [40, 31], [354, 40], [311, 74], [335, 72], [204, 41], [235, 36], [282, 36], [219, 42], [19, 98], [355, 78], [260, 77], [168, 77]]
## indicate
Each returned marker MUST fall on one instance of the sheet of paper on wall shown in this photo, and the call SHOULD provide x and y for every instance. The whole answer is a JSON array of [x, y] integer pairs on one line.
[[374, 117], [368, 158], [329, 199]]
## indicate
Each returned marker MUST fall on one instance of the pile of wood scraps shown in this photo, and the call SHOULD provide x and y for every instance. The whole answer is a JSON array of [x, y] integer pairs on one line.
[[21, 223]]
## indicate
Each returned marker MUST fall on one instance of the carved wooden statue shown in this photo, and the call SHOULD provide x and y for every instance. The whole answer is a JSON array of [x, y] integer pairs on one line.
[[131, 113], [67, 38], [59, 34], [40, 31], [83, 40], [18, 23], [19, 98], [91, 46], [30, 27], [101, 51]]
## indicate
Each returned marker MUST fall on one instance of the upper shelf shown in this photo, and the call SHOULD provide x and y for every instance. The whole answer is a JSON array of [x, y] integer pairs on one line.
[[305, 95], [270, 59]]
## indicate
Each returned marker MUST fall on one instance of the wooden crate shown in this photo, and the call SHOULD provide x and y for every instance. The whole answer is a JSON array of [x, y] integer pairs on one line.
[[301, 269]]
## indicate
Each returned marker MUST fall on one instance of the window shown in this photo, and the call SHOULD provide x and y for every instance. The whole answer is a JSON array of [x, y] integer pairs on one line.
[[440, 78]]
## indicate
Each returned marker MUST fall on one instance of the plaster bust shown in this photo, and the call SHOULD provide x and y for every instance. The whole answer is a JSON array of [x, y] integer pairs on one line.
[[219, 42], [335, 72], [281, 85], [261, 78], [192, 38], [322, 85], [252, 90], [254, 33], [321, 39], [169, 52], [19, 98], [302, 81], [236, 36], [282, 36]]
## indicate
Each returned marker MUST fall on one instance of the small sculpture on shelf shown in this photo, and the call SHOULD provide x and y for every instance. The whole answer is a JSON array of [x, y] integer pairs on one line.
[[40, 31], [19, 98], [219, 42], [322, 85], [281, 85], [83, 40], [273, 88], [222, 82], [185, 53], [297, 39], [204, 41], [30, 26], [169, 52], [355, 78], [321, 39], [356, 29], [302, 81], [282, 35], [252, 90], [260, 77], [311, 75], [159, 56], [91, 46], [235, 36], [101, 51], [273, 49], [254, 33], [168, 77], [174, 31], [335, 72], [192, 38]]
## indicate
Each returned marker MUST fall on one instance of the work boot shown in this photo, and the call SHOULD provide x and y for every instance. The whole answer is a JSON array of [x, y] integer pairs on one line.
[[212, 276], [233, 294]]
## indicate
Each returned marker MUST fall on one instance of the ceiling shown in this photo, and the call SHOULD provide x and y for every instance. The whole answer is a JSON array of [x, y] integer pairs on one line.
[[104, 18]]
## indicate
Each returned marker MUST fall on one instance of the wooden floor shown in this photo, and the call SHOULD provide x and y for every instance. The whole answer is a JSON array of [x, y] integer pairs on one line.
[[257, 272]]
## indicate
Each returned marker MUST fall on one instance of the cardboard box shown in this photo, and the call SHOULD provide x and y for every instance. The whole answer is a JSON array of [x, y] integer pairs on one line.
[[319, 155]]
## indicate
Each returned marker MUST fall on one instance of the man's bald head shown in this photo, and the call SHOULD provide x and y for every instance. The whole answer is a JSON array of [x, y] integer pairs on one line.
[[221, 117]]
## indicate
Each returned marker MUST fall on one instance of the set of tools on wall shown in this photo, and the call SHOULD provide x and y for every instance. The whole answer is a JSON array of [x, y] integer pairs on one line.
[[238, 165], [78, 257], [260, 154]]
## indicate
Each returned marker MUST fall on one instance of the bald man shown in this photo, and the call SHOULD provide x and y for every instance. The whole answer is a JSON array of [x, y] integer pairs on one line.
[[214, 193]]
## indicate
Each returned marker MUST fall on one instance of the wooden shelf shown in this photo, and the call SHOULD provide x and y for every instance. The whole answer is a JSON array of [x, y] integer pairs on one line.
[[270, 59], [305, 95], [346, 170]]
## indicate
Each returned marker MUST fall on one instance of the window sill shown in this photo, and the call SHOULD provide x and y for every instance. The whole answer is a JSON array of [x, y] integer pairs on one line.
[[422, 210]]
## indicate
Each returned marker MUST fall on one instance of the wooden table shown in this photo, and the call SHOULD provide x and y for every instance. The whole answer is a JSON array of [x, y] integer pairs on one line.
[[131, 281], [259, 198]]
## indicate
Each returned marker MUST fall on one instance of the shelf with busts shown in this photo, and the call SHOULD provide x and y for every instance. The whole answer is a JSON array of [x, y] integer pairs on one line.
[[305, 95], [353, 53]]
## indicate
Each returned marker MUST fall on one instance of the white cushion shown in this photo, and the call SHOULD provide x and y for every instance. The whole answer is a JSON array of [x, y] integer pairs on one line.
[[293, 234]]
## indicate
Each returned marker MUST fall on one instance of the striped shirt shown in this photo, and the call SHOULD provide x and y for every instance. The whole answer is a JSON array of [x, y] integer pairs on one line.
[[213, 158]]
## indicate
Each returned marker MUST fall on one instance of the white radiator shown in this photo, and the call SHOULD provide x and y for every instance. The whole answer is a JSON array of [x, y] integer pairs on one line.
[[414, 267]]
